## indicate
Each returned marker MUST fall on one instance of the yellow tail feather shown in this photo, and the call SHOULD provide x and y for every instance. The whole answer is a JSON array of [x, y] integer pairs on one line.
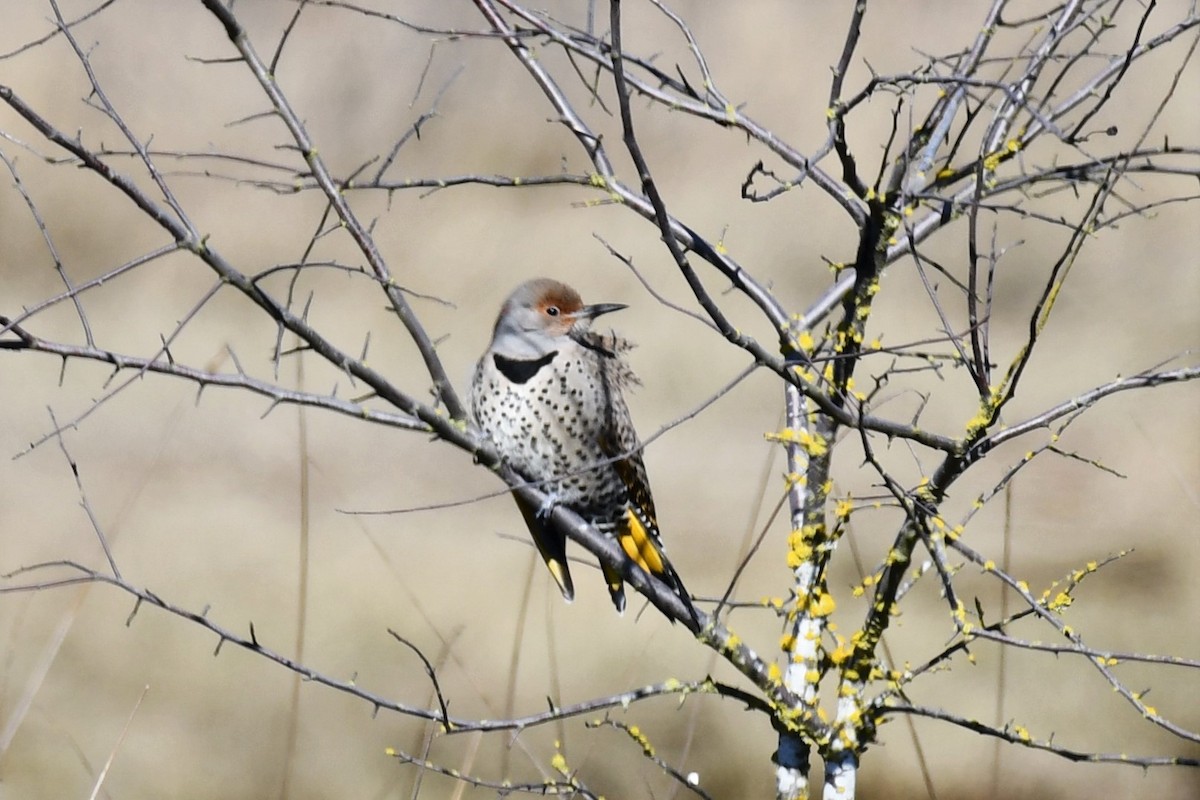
[[639, 545]]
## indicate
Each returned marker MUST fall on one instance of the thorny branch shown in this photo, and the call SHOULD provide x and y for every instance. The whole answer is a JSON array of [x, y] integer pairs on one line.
[[973, 155]]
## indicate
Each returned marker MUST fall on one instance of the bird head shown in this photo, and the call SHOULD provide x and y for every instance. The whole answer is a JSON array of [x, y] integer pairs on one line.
[[539, 315]]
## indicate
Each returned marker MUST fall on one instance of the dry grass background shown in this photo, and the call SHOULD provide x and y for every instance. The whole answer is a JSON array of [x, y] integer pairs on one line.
[[201, 499]]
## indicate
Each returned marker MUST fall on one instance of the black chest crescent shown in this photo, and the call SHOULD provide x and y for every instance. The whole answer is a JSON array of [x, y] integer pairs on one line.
[[521, 370]]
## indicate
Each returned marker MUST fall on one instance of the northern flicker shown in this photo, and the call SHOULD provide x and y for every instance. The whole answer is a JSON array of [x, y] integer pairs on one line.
[[548, 393]]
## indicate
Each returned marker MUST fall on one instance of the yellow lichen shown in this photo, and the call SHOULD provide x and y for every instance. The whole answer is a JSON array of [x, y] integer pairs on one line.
[[844, 508], [822, 605], [842, 652], [1061, 601]]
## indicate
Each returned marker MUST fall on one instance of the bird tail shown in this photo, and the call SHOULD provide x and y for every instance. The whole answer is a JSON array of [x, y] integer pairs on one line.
[[616, 587], [638, 540], [552, 545], [641, 544]]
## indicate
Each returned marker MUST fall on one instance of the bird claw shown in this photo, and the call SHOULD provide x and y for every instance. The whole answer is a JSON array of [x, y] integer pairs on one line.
[[547, 507]]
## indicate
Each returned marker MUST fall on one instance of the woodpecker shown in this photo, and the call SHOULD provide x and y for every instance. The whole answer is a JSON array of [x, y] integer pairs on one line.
[[548, 392]]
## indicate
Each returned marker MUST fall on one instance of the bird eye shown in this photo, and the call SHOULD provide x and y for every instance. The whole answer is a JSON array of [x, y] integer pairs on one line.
[[552, 311]]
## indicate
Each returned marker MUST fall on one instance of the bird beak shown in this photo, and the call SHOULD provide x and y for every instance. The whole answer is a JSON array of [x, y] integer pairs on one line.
[[593, 311]]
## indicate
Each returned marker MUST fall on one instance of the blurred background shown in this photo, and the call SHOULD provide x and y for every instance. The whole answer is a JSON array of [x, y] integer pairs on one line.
[[200, 494]]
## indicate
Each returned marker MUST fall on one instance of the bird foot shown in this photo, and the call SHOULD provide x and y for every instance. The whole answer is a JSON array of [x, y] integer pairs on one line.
[[547, 508]]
